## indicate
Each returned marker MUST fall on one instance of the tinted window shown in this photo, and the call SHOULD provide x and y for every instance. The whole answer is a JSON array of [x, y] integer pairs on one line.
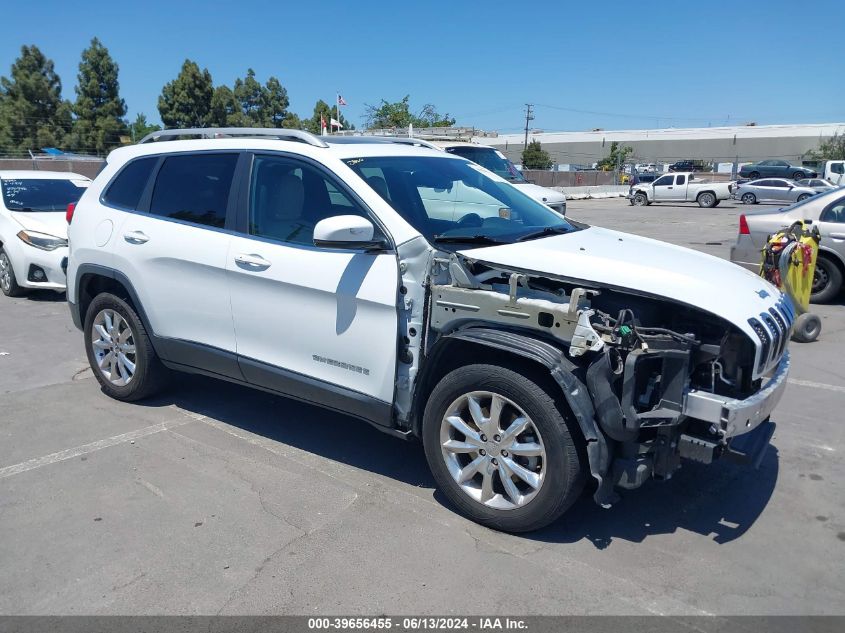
[[41, 194], [287, 198], [491, 159], [763, 183], [194, 188], [835, 212], [837, 168], [125, 190], [780, 183], [663, 180], [681, 180]]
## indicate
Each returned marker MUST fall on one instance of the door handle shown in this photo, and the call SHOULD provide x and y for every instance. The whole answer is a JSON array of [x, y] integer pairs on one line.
[[136, 237], [255, 262], [670, 187], [838, 236]]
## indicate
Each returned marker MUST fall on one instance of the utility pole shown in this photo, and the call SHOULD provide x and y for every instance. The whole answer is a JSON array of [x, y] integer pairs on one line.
[[529, 116]]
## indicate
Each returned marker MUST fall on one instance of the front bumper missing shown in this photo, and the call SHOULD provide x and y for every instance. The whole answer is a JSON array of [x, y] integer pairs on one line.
[[737, 417]]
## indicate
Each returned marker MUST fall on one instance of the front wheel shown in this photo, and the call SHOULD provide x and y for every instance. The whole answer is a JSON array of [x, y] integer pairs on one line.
[[500, 449], [8, 282], [640, 200], [798, 176], [706, 200], [119, 350]]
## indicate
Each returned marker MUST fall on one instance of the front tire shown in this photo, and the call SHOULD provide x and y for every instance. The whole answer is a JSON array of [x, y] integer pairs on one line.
[[119, 350], [827, 281], [640, 200], [706, 200], [500, 449], [8, 281]]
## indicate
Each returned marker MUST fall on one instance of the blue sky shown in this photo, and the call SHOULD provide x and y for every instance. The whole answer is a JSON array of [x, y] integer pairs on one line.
[[610, 65]]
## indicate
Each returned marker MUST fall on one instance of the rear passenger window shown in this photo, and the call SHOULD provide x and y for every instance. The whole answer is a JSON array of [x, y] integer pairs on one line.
[[681, 180], [194, 188], [126, 189]]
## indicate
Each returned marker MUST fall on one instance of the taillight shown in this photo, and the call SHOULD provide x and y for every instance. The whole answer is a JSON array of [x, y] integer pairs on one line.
[[743, 226], [70, 209]]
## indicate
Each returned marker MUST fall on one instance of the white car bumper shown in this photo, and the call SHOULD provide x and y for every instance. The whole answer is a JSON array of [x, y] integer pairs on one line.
[[27, 260]]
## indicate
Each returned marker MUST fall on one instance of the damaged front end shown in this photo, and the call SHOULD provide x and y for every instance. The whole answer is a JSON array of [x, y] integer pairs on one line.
[[649, 381]]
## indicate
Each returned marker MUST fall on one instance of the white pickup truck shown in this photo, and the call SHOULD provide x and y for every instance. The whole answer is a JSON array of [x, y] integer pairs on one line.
[[680, 187]]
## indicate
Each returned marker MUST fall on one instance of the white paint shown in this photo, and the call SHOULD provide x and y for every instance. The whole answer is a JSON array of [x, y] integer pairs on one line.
[[816, 385]]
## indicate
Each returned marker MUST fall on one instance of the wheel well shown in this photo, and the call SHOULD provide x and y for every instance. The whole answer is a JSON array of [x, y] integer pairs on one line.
[[450, 354], [701, 193], [833, 258], [92, 284]]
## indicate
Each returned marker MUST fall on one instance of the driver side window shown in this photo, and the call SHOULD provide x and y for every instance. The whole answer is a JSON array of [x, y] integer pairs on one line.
[[663, 181]]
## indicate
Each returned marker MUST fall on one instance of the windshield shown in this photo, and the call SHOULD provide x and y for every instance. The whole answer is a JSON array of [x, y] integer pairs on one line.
[[491, 159], [41, 194], [450, 200]]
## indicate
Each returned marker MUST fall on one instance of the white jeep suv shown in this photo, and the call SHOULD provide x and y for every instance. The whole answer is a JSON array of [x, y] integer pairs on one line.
[[528, 353]]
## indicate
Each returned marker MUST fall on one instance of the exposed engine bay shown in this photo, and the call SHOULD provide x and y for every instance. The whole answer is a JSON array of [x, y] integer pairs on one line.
[[637, 356]]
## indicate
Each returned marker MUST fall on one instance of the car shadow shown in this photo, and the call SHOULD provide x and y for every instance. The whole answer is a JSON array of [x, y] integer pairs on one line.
[[45, 296], [721, 499]]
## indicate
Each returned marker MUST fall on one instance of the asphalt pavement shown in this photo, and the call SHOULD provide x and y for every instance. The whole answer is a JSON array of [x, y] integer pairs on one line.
[[216, 499]]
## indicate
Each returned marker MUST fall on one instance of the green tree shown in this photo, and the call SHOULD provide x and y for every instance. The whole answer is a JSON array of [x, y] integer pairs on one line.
[[186, 101], [32, 112], [225, 110], [274, 104], [292, 122], [99, 110], [398, 114], [831, 149], [250, 98], [535, 157], [616, 157], [139, 128]]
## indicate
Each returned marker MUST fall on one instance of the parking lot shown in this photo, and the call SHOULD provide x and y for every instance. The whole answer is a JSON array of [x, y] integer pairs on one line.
[[216, 499]]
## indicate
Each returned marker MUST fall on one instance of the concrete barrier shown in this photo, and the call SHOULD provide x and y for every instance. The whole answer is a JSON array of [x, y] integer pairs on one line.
[[598, 191]]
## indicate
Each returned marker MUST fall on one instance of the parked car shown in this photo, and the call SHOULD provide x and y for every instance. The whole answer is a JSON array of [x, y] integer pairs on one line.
[[527, 353], [687, 165], [680, 187], [492, 159], [772, 190], [819, 185], [33, 230], [775, 168], [827, 212], [645, 177], [646, 168]]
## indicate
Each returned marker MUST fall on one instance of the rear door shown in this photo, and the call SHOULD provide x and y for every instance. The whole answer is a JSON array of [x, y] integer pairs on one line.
[[173, 249], [317, 323], [679, 191]]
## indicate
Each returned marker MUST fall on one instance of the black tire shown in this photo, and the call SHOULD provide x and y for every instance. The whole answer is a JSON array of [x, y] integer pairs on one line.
[[716, 204], [149, 373], [807, 328], [564, 471], [706, 200], [749, 198], [10, 288], [803, 197], [640, 199], [754, 175], [798, 176], [827, 281]]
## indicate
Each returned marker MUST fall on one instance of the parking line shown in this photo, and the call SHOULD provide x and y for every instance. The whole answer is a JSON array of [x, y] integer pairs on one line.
[[816, 385], [70, 453]]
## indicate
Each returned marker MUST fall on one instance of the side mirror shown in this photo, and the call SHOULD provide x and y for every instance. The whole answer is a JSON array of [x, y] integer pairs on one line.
[[347, 232]]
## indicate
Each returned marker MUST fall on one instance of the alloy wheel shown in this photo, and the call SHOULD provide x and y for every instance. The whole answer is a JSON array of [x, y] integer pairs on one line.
[[113, 345], [493, 450], [5, 272]]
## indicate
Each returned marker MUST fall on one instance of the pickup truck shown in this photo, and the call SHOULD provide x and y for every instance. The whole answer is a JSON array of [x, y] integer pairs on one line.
[[680, 187]]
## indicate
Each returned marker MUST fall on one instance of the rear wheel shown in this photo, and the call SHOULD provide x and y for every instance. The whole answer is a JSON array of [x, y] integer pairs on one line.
[[706, 200], [754, 175], [827, 281], [500, 449], [798, 176], [749, 198], [119, 350]]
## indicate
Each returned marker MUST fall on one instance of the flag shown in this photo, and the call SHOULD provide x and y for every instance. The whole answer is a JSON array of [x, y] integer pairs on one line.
[[340, 101], [336, 124]]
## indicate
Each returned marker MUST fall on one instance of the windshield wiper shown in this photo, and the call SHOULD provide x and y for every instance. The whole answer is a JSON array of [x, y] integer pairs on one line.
[[467, 239], [549, 230]]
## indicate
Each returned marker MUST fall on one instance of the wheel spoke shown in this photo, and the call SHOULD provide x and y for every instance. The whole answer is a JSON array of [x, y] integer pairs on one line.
[[462, 427], [127, 348], [532, 479], [107, 321], [469, 471], [105, 361], [101, 344], [525, 449], [497, 403], [125, 335], [517, 426], [509, 485], [487, 485], [114, 372], [127, 365], [101, 330], [457, 446], [475, 412]]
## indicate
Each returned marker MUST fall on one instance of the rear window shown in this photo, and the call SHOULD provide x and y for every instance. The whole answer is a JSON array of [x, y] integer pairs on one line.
[[194, 188], [41, 194], [126, 189]]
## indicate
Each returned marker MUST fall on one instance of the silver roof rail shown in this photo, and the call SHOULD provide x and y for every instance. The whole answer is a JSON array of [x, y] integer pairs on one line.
[[281, 134], [417, 142]]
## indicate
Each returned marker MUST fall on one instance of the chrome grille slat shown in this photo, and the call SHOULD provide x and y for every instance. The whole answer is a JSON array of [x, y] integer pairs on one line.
[[776, 337]]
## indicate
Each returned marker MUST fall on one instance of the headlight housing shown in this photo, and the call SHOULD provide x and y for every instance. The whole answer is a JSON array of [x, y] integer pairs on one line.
[[42, 240]]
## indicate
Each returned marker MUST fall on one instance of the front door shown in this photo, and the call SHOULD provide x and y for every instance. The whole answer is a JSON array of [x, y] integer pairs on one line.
[[309, 321], [664, 188]]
